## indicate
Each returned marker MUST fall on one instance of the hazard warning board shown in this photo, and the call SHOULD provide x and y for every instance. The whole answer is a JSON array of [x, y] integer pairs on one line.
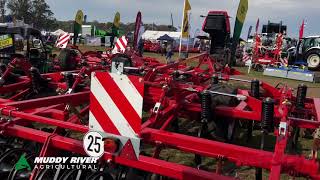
[[116, 102]]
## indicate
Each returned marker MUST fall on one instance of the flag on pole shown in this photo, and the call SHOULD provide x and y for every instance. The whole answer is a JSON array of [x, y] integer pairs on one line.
[[301, 32], [139, 30], [115, 28], [116, 21], [85, 19], [257, 25], [249, 32], [185, 23], [77, 25], [241, 17]]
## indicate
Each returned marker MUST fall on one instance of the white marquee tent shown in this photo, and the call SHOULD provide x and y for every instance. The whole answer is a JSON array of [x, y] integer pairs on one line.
[[58, 32], [154, 35]]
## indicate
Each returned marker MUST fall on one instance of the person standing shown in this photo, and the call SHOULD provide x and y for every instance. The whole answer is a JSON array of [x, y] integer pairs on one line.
[[140, 47], [169, 54], [163, 49]]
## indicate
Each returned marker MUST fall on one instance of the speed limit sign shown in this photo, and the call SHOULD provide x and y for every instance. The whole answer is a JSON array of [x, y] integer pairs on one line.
[[93, 144]]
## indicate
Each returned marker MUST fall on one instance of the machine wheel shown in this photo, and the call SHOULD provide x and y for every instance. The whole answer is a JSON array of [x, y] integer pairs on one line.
[[23, 174], [313, 59], [100, 175], [9, 159], [258, 68], [67, 59], [217, 129], [74, 174]]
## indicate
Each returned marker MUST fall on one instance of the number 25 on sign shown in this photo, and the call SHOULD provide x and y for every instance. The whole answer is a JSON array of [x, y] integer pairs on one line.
[[93, 144]]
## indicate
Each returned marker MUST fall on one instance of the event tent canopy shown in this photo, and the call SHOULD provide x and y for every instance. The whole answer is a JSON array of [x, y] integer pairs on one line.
[[165, 37]]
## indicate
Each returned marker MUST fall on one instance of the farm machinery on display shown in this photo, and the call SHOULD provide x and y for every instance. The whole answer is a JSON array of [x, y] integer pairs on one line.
[[21, 42], [306, 53], [129, 111], [266, 53]]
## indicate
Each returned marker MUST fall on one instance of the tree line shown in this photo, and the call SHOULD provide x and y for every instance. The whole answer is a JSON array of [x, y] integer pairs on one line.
[[39, 14], [33, 12]]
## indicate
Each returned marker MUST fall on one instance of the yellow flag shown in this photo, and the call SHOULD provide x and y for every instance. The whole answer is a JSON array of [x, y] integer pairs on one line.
[[79, 17], [187, 6], [185, 24], [116, 20], [242, 10]]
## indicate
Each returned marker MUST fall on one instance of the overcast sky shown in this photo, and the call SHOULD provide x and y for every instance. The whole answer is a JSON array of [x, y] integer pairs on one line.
[[291, 12]]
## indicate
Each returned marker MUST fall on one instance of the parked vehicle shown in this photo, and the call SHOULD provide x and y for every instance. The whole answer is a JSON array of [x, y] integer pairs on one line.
[[307, 51]]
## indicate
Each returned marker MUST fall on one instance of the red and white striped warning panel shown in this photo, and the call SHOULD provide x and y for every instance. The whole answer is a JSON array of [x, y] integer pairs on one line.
[[120, 45], [63, 40], [116, 107], [246, 57]]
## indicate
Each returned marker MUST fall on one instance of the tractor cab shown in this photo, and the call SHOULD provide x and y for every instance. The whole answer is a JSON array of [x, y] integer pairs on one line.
[[306, 52], [217, 25], [308, 43], [23, 42]]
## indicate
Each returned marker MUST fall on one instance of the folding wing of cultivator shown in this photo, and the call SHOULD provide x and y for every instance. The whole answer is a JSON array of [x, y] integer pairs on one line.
[[188, 109]]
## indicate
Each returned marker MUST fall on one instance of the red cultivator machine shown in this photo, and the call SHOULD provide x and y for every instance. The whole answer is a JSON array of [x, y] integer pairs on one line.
[[267, 55], [192, 110], [132, 114]]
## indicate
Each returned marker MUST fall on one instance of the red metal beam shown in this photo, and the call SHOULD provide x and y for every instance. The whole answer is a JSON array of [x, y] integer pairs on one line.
[[75, 98], [317, 108], [145, 163], [44, 120], [242, 156]]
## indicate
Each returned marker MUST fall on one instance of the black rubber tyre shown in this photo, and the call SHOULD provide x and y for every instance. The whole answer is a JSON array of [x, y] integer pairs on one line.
[[100, 175], [67, 59], [313, 59], [219, 128]]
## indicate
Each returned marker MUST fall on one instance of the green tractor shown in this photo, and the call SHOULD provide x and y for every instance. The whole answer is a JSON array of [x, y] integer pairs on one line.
[[24, 42]]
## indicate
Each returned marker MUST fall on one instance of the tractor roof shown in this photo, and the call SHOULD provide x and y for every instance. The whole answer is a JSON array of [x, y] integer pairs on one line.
[[24, 31], [219, 13]]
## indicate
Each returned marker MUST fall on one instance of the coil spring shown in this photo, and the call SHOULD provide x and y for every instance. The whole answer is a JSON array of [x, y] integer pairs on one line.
[[301, 96], [205, 106], [69, 80], [255, 85], [267, 114]]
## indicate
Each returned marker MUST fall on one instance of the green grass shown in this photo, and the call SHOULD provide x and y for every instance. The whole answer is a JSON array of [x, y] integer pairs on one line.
[[313, 88]]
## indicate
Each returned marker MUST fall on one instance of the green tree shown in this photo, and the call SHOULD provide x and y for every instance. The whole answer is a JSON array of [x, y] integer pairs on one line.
[[21, 9], [36, 12], [43, 16]]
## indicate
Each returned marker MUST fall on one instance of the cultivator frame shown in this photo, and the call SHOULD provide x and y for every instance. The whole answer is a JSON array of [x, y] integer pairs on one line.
[[268, 55], [172, 92]]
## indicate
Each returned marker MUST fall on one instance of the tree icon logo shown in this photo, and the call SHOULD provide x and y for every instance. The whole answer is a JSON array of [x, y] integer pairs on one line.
[[22, 163]]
